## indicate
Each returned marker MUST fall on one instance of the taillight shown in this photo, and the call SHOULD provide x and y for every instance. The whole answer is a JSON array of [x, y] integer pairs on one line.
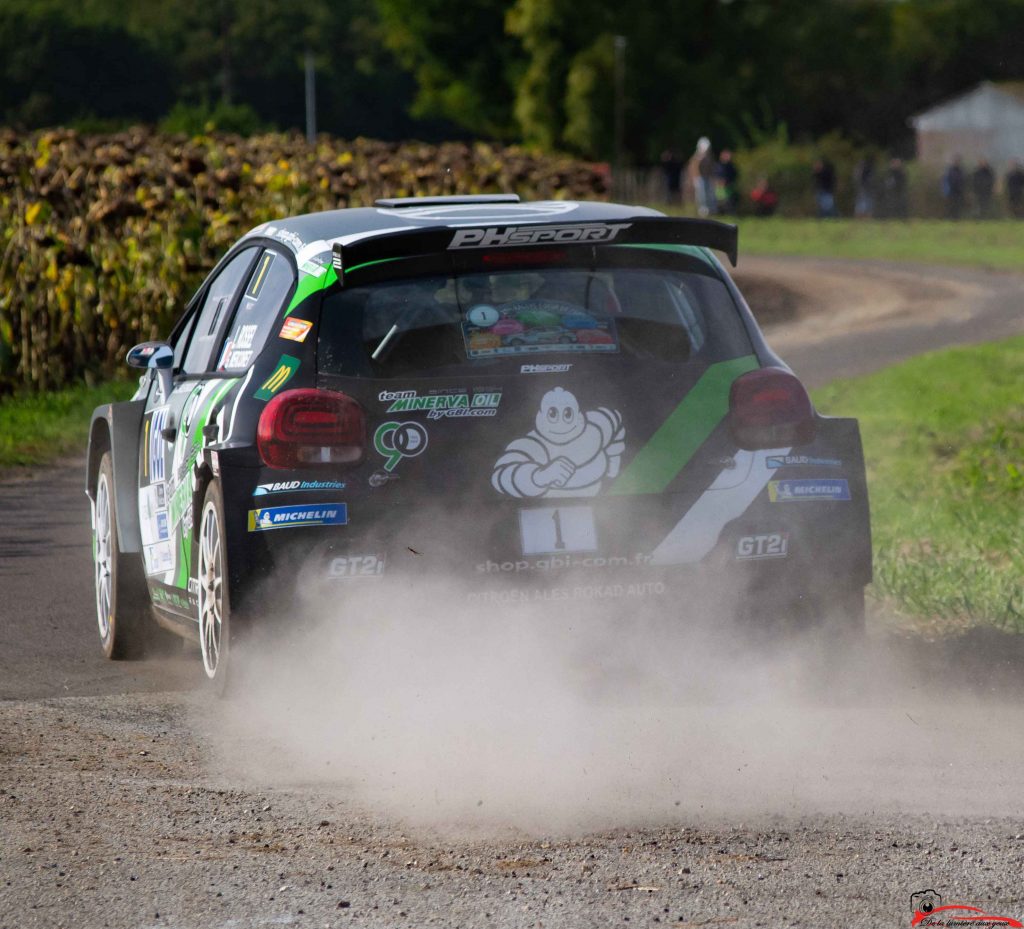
[[769, 408], [302, 428]]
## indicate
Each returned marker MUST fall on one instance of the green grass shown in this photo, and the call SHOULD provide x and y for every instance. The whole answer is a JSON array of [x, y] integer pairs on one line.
[[997, 244], [35, 428], [944, 442]]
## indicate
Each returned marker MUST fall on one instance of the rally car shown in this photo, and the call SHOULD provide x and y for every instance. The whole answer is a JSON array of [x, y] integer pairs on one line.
[[343, 401]]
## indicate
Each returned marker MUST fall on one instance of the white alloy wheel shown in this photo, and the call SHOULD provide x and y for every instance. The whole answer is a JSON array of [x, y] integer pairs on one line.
[[212, 612], [103, 557]]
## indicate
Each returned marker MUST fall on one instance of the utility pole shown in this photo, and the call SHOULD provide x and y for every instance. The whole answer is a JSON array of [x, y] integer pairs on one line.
[[620, 112], [310, 98]]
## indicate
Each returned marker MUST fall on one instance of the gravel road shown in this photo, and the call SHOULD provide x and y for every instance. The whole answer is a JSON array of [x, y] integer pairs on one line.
[[800, 789]]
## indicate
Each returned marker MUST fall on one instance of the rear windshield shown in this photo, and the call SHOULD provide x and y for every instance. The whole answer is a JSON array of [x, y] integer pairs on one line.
[[420, 326]]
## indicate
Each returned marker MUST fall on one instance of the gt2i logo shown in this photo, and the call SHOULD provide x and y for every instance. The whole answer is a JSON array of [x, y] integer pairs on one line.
[[348, 567], [567, 453], [396, 441], [928, 910], [771, 545], [506, 236]]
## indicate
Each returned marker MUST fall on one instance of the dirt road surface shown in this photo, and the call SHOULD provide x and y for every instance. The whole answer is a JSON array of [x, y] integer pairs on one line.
[[804, 789]]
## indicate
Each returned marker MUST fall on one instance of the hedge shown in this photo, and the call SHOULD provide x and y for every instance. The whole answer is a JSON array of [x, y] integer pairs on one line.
[[104, 238]]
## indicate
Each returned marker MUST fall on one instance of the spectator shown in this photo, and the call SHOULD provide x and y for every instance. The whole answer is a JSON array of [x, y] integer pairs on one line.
[[825, 188], [983, 182], [764, 198], [728, 176], [700, 172], [864, 187], [1015, 189], [894, 188], [953, 188], [672, 168]]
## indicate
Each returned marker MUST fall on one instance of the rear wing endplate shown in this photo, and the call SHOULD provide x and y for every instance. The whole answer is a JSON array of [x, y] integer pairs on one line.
[[462, 241]]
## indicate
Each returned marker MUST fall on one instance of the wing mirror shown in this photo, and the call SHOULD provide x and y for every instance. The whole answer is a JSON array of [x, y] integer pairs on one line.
[[157, 356]]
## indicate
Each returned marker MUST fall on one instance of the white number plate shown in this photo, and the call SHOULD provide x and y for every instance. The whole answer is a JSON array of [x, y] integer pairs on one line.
[[556, 529]]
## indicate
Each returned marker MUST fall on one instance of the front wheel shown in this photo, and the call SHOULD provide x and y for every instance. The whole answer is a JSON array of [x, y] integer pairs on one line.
[[214, 599], [122, 601]]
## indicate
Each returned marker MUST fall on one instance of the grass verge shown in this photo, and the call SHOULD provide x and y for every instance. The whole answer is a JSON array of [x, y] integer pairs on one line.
[[995, 244], [35, 428], [944, 443]]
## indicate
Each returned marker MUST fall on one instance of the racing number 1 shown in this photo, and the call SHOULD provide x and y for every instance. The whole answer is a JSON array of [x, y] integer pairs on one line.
[[559, 541]]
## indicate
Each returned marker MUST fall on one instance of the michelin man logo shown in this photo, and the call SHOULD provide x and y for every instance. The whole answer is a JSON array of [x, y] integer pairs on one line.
[[567, 453]]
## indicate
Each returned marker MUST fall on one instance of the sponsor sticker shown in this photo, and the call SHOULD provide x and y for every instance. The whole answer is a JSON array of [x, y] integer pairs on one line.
[[451, 405], [809, 489], [396, 441], [295, 329], [510, 236], [785, 461], [281, 487], [544, 369], [568, 453], [583, 592], [283, 373], [289, 517], [768, 545], [350, 567]]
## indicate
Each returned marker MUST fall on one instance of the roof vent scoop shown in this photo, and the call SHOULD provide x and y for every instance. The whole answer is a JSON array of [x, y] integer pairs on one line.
[[398, 203]]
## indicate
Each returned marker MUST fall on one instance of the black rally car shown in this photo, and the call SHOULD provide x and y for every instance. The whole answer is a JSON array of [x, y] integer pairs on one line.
[[542, 401]]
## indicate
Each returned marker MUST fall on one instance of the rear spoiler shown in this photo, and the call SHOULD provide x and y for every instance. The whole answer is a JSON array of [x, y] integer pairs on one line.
[[462, 241]]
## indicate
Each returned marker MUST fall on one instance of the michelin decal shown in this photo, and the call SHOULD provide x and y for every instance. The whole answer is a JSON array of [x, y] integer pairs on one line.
[[568, 453]]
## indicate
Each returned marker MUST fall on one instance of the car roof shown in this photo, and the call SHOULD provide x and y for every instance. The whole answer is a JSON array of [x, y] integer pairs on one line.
[[318, 229]]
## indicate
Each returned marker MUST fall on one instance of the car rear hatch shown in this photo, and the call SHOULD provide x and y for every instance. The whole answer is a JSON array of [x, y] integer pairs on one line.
[[536, 411]]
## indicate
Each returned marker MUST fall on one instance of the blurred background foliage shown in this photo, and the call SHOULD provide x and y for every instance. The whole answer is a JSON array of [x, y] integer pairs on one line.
[[533, 71], [103, 238]]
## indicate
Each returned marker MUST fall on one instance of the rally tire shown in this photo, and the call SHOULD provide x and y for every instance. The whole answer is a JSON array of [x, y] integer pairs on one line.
[[214, 600], [122, 600]]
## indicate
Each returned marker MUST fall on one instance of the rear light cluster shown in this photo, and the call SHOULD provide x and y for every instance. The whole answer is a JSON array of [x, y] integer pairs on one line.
[[303, 428], [769, 408]]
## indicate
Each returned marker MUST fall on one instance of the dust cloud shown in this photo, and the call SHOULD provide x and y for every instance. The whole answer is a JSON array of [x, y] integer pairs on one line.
[[576, 716]]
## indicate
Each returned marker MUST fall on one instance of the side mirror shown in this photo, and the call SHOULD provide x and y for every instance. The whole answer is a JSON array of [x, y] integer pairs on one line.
[[157, 356]]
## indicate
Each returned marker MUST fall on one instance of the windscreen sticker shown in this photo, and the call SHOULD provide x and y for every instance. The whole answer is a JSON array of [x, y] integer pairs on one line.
[[290, 517], [797, 490], [443, 404], [568, 453], [525, 327]]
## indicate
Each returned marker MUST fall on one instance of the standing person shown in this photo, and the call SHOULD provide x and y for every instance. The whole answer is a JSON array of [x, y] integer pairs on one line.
[[700, 172], [1015, 189], [672, 168], [953, 183], [764, 198], [728, 176], [825, 188], [864, 187], [894, 187], [983, 183]]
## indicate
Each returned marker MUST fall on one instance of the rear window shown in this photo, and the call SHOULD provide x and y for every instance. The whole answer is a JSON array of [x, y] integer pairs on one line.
[[423, 325]]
